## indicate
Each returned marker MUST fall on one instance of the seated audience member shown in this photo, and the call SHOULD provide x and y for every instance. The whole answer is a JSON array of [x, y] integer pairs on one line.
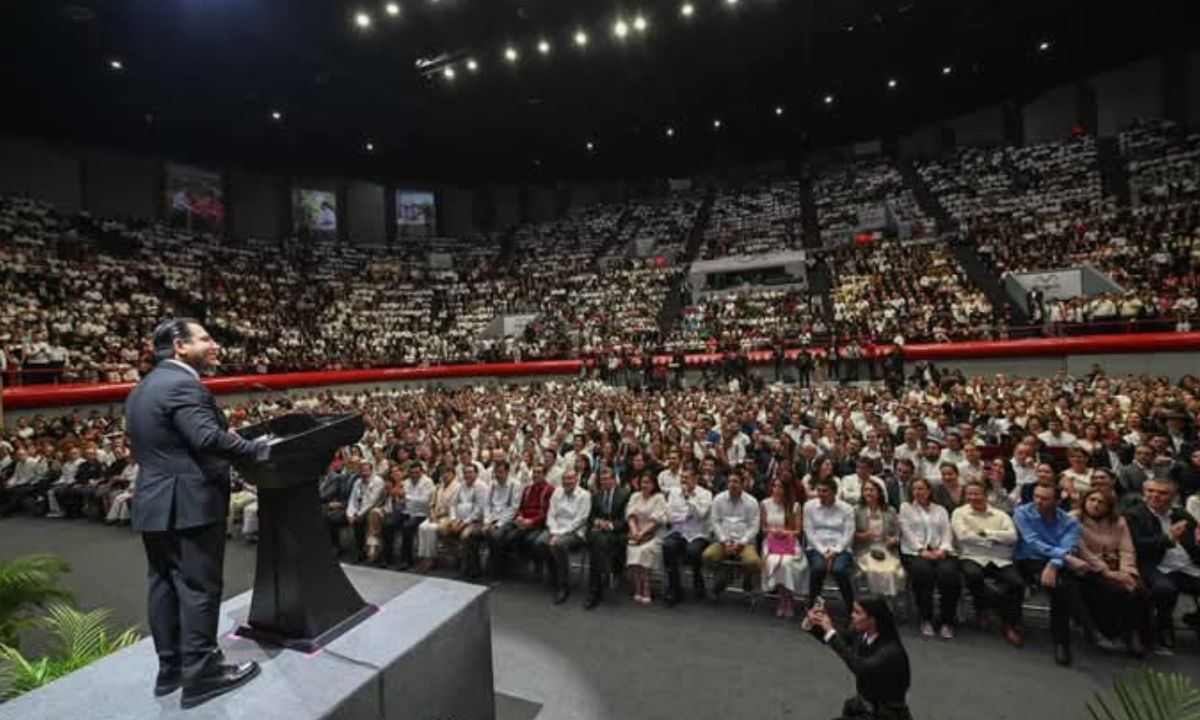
[[986, 537], [999, 493], [1168, 553], [829, 530], [874, 654], [123, 489], [383, 519], [1076, 480], [927, 551], [466, 516], [367, 493], [1186, 476], [606, 534], [63, 488], [503, 501], [821, 470], [241, 495], [877, 543], [688, 510], [527, 527], [949, 493], [784, 567], [735, 530], [646, 515], [419, 493], [1112, 592], [444, 497], [972, 466], [566, 520], [335, 493], [1131, 475], [1047, 535], [850, 487]]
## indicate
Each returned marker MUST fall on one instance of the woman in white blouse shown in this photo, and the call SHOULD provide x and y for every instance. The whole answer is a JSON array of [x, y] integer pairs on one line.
[[784, 567], [646, 514], [927, 551]]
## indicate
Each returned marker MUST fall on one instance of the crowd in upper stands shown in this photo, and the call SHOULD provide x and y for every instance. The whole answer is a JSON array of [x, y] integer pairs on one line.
[[1083, 487]]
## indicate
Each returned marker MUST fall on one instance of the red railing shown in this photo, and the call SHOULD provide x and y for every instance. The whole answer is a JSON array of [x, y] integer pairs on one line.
[[34, 396]]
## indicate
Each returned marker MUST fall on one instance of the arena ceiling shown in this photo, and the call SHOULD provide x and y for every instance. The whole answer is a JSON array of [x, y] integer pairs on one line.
[[301, 85]]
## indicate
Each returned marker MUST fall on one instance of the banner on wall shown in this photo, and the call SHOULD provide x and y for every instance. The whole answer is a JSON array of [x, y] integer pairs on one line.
[[416, 214], [195, 199], [1055, 285], [315, 211]]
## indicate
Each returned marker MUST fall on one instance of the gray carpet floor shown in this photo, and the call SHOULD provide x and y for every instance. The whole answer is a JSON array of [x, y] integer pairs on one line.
[[696, 661]]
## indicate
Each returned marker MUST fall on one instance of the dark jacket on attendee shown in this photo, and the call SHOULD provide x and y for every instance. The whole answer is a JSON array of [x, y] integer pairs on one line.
[[616, 512], [1149, 540], [881, 670]]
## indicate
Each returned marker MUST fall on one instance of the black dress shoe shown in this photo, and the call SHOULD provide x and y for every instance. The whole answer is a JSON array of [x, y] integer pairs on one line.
[[219, 681], [1062, 654], [672, 598], [561, 596], [169, 680], [591, 602]]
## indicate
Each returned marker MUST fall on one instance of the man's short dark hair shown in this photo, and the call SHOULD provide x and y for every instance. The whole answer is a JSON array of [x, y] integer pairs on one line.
[[167, 332]]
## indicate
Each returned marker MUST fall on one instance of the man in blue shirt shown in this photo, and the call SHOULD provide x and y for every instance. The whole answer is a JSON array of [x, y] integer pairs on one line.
[[1047, 536]]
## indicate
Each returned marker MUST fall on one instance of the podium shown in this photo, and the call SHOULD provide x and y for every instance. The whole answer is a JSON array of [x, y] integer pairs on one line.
[[302, 599]]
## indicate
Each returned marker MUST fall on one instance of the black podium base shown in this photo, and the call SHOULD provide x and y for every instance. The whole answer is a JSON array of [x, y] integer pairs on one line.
[[305, 645]]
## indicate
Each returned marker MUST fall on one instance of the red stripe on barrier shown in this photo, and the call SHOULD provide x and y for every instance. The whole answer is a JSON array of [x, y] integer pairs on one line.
[[97, 393]]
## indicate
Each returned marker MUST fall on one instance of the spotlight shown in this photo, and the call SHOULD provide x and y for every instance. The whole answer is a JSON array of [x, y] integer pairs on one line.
[[544, 47], [116, 64], [670, 132], [731, 2], [510, 54], [581, 38], [591, 146], [891, 83], [472, 65], [362, 19], [276, 115], [717, 124], [639, 24], [370, 146], [687, 9], [778, 111], [392, 9], [1044, 46], [946, 69], [448, 71], [620, 29], [828, 99]]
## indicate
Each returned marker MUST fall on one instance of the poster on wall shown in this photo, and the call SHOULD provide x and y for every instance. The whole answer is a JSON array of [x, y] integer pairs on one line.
[[195, 199], [314, 211], [416, 214]]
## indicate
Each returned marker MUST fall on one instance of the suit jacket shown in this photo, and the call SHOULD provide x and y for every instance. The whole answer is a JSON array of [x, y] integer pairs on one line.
[[183, 448], [1149, 540], [616, 514], [881, 671], [1100, 457]]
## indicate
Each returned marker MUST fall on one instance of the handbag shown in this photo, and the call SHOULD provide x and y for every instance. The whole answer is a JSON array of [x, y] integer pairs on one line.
[[780, 544]]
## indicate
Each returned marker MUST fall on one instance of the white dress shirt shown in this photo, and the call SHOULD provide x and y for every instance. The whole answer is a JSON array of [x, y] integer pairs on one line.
[[735, 521], [689, 512], [829, 527], [418, 495], [568, 513], [503, 502], [469, 506], [365, 495], [925, 528]]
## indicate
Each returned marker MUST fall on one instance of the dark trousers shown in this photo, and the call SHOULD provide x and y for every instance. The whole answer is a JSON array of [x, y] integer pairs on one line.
[[604, 550], [1115, 611], [185, 595], [335, 520], [1064, 598], [803, 376], [558, 556], [676, 550], [842, 571], [482, 534], [511, 539], [926, 575], [1164, 593], [406, 526], [1005, 600], [12, 498]]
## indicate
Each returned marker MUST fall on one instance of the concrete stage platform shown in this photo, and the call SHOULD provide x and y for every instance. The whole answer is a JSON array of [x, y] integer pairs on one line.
[[426, 654]]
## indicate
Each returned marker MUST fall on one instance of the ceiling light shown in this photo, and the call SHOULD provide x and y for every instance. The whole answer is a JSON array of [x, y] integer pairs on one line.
[[731, 2], [276, 115], [510, 54], [778, 111], [581, 38], [544, 47], [116, 64], [946, 69], [392, 9], [591, 146], [362, 19], [716, 124], [1044, 46], [639, 24], [828, 99], [891, 83], [472, 65], [370, 146], [448, 71], [620, 29], [670, 132], [687, 9]]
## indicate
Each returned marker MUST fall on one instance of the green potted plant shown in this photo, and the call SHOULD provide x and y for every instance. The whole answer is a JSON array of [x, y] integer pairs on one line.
[[1149, 695], [28, 584]]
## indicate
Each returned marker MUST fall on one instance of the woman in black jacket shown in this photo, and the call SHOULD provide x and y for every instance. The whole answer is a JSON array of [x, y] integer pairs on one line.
[[874, 654]]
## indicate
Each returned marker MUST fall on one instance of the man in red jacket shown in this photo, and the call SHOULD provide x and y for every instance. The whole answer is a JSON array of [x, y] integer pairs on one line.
[[527, 527]]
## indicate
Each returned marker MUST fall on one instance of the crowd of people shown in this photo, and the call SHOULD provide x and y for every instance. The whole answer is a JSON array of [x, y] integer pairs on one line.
[[865, 193], [761, 218], [1083, 487]]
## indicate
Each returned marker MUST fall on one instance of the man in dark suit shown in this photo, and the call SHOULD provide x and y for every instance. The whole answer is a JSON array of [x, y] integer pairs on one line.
[[606, 534], [1164, 538], [183, 448]]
